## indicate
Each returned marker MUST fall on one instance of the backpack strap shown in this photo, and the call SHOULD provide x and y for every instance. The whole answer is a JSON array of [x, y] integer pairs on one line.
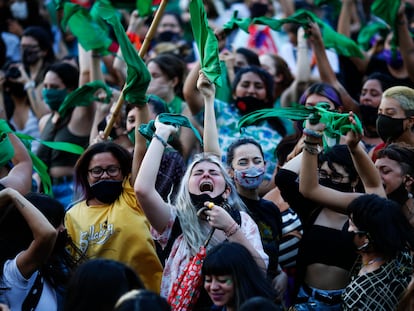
[[33, 296]]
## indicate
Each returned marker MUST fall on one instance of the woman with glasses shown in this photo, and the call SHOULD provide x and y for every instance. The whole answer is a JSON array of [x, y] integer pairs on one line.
[[108, 222]]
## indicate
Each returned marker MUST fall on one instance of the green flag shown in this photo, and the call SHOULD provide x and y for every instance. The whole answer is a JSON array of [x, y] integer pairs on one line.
[[206, 41], [342, 44], [138, 76], [90, 34]]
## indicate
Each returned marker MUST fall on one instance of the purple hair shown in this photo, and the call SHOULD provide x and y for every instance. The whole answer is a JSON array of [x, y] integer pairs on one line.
[[322, 89]]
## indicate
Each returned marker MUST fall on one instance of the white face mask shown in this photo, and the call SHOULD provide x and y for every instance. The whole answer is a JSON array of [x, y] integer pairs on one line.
[[19, 9]]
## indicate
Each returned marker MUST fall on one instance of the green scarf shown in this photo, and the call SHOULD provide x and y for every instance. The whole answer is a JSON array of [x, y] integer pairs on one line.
[[342, 44], [84, 96], [206, 41], [138, 76], [148, 130], [92, 35], [369, 31], [336, 123], [38, 165]]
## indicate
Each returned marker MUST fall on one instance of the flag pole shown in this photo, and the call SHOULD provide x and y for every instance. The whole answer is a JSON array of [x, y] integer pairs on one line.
[[143, 50]]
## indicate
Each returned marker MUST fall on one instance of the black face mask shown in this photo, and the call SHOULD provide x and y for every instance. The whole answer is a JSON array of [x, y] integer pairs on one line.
[[107, 191], [343, 187], [249, 104], [199, 199], [389, 129], [258, 9], [399, 195], [168, 36], [30, 56]]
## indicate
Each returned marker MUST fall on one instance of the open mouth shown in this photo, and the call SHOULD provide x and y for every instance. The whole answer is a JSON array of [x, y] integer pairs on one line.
[[206, 186]]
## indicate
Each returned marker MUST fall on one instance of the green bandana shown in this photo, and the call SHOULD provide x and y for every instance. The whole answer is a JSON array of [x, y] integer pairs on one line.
[[235, 22], [342, 44], [138, 76], [206, 42], [387, 11], [90, 33], [83, 96], [38, 165], [369, 31], [336, 123], [6, 147], [148, 130]]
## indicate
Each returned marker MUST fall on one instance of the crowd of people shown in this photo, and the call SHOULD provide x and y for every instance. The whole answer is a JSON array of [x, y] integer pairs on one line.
[[166, 200]]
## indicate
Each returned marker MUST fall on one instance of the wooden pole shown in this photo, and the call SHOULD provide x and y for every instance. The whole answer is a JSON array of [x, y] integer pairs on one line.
[[144, 48]]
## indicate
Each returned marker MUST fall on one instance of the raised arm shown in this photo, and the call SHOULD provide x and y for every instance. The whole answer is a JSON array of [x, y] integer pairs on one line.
[[302, 75], [405, 41], [20, 176], [140, 147], [44, 234], [82, 118], [364, 166], [309, 180], [192, 96], [156, 210], [325, 70], [210, 136]]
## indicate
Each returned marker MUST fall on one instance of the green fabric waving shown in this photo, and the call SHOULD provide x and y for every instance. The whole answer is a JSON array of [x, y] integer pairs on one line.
[[235, 22], [206, 41], [38, 165], [148, 130], [90, 34], [336, 123], [83, 96], [138, 76], [342, 44], [386, 10], [369, 31]]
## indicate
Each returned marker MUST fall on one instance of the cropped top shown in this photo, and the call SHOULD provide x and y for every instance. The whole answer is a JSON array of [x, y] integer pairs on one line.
[[60, 132], [328, 246]]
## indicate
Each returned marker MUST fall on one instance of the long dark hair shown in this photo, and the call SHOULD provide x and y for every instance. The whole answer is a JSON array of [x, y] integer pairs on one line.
[[234, 259]]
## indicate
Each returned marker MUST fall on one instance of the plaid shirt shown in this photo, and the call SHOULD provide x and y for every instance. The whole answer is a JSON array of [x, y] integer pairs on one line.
[[380, 289]]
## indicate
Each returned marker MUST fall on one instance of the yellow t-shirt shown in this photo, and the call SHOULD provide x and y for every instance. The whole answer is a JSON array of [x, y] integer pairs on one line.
[[118, 231]]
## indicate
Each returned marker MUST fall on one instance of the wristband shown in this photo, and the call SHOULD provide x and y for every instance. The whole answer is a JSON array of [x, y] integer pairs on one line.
[[163, 142], [29, 85], [312, 133]]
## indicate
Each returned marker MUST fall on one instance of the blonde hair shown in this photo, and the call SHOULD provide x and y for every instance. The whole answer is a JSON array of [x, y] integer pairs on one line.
[[404, 96], [194, 231]]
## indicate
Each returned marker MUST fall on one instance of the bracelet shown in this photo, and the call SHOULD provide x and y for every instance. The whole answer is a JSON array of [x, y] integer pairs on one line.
[[163, 142], [29, 85], [312, 133], [312, 150], [232, 230], [312, 143]]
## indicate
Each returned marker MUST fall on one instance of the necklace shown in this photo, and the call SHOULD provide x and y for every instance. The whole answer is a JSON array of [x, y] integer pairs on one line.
[[376, 259]]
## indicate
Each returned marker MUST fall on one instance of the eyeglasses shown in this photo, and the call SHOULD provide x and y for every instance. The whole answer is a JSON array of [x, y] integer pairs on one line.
[[336, 178], [98, 171]]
